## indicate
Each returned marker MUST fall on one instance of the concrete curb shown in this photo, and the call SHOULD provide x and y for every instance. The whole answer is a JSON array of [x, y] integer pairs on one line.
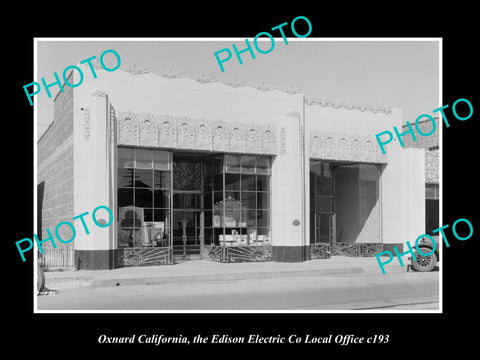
[[92, 281]]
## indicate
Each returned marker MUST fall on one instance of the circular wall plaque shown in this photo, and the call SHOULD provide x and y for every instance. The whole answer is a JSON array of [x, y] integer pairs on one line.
[[296, 222]]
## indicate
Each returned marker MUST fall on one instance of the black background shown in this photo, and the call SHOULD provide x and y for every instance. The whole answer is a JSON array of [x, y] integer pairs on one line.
[[63, 335]]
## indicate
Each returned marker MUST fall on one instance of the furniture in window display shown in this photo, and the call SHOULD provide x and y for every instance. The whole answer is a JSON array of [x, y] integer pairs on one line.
[[130, 223]]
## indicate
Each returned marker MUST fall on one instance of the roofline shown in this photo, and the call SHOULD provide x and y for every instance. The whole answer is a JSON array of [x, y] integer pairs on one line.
[[262, 86]]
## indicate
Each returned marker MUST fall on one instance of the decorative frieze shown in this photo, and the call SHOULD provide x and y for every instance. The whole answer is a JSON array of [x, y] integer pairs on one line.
[[195, 134], [344, 147]]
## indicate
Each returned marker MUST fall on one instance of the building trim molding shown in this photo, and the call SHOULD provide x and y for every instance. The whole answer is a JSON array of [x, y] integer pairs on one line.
[[183, 132], [262, 86], [344, 147]]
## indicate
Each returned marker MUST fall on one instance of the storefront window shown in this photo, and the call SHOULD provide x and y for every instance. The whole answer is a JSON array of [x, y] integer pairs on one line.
[[240, 197], [143, 195]]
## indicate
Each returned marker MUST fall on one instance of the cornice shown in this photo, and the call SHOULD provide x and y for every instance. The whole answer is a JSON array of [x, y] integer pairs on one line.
[[349, 105], [262, 86]]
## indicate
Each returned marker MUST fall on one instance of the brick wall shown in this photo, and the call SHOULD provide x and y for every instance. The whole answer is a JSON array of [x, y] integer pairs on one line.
[[424, 142], [55, 171], [430, 144]]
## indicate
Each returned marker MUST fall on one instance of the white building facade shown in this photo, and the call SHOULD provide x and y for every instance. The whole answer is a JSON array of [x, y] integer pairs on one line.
[[198, 168]]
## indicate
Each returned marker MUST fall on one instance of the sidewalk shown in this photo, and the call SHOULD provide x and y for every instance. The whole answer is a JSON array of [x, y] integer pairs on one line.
[[201, 270]]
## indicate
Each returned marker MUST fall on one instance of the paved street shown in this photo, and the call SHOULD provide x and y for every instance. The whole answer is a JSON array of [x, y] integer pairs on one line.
[[358, 291]]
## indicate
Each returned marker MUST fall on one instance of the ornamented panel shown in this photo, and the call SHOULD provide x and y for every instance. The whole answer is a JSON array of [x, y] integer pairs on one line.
[[269, 140], [185, 133], [344, 249], [187, 175], [369, 249], [237, 138], [357, 150], [343, 148], [146, 256], [220, 136], [167, 136], [330, 148], [127, 129], [337, 146], [148, 132], [212, 253], [253, 141], [237, 253], [369, 151], [320, 251], [248, 253], [364, 250], [316, 147], [203, 135]]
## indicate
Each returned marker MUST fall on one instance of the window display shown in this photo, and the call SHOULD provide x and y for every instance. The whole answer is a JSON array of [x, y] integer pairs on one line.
[[241, 202], [229, 193], [144, 181]]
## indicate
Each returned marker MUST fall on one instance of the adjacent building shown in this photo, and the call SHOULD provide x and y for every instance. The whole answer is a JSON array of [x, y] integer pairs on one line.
[[432, 170], [196, 168]]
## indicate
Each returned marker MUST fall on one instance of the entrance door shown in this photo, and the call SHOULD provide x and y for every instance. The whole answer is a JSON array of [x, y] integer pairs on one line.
[[188, 225], [322, 203]]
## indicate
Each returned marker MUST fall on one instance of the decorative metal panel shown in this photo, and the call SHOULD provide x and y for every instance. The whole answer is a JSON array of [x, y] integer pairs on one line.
[[320, 251], [237, 253], [187, 175], [212, 253], [248, 253], [146, 256], [345, 249], [364, 250], [369, 249]]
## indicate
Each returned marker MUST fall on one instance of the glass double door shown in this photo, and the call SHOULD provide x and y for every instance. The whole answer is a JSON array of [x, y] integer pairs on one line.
[[187, 223]]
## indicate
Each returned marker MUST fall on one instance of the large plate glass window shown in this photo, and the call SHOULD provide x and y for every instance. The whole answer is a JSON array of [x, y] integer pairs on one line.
[[143, 195]]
